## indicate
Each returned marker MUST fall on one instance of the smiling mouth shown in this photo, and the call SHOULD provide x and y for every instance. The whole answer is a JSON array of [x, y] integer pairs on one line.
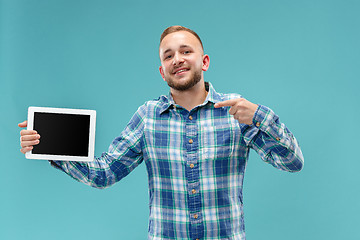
[[180, 71]]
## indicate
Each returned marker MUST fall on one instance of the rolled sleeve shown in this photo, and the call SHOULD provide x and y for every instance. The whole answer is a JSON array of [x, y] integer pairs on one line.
[[273, 141]]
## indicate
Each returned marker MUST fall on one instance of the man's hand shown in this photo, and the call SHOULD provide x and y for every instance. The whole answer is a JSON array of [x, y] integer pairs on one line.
[[28, 138], [241, 109]]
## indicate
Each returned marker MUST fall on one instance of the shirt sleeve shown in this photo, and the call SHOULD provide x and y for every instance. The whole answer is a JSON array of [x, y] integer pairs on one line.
[[123, 156], [273, 141]]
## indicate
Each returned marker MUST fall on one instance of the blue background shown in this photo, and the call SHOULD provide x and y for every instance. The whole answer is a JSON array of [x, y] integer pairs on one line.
[[300, 58]]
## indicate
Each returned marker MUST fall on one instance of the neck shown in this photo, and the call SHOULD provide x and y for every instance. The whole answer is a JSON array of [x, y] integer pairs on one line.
[[190, 98]]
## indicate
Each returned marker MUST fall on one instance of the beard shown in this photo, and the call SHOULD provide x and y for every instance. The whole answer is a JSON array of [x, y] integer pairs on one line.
[[193, 80]]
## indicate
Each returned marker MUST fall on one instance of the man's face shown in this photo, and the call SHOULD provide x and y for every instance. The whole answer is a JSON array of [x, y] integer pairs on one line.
[[182, 60]]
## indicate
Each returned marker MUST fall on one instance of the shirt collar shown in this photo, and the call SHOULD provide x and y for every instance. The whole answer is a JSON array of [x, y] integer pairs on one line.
[[212, 97]]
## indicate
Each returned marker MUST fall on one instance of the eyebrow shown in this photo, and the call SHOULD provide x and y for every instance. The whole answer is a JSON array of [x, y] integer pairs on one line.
[[181, 46]]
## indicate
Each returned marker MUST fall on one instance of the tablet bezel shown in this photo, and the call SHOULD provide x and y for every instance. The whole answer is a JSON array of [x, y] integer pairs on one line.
[[91, 149]]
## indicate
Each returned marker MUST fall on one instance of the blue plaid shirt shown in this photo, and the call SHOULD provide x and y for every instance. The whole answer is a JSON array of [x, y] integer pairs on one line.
[[195, 162]]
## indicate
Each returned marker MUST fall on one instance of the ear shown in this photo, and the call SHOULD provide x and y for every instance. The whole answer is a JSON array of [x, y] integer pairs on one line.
[[161, 70], [206, 62]]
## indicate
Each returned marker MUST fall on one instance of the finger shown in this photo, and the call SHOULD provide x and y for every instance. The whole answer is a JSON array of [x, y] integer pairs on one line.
[[26, 149], [227, 103], [237, 116], [30, 137], [233, 110], [27, 132], [29, 143], [23, 124]]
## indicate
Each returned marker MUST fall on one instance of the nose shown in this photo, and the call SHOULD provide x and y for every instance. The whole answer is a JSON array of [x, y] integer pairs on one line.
[[177, 59]]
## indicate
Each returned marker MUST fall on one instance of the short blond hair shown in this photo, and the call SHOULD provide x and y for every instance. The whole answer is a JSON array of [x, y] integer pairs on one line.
[[173, 29]]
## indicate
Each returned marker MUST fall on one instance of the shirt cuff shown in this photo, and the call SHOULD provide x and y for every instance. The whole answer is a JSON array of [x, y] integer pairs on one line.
[[265, 120], [261, 115], [56, 164]]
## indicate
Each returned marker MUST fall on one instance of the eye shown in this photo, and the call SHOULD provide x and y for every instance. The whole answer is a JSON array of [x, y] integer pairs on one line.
[[168, 57], [186, 52]]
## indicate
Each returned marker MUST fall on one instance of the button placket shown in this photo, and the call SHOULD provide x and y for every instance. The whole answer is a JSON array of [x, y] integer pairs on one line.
[[192, 174]]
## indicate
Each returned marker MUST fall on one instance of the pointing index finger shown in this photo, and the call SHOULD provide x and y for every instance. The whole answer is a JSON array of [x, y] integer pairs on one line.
[[227, 103]]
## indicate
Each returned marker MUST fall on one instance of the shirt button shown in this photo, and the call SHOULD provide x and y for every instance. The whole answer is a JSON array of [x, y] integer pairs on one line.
[[191, 141], [196, 216], [193, 191], [192, 165], [278, 139], [190, 117], [258, 124]]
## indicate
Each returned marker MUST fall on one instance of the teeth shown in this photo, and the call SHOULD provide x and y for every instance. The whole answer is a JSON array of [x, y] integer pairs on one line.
[[183, 70]]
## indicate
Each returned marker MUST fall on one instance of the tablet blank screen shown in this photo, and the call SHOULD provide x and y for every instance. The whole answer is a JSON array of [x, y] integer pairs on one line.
[[62, 134]]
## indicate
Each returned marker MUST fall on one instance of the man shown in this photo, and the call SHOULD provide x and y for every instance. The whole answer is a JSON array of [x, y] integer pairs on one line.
[[195, 143]]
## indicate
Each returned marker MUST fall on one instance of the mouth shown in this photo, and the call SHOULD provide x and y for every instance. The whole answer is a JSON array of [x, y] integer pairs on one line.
[[180, 71]]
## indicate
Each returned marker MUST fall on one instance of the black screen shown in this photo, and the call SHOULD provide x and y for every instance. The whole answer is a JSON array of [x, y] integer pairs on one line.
[[62, 134]]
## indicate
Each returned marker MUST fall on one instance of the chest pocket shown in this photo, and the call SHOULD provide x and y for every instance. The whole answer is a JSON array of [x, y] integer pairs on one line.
[[218, 141]]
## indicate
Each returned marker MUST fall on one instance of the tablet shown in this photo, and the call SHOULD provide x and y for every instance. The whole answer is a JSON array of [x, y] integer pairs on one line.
[[65, 134]]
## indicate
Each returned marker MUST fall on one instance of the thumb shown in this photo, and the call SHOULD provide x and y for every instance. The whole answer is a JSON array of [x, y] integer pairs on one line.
[[23, 124]]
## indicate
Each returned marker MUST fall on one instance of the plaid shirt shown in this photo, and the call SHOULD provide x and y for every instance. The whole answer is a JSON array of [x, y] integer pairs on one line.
[[195, 162]]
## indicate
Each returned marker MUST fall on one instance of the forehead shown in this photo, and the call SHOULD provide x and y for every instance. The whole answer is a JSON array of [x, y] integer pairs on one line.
[[175, 40]]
